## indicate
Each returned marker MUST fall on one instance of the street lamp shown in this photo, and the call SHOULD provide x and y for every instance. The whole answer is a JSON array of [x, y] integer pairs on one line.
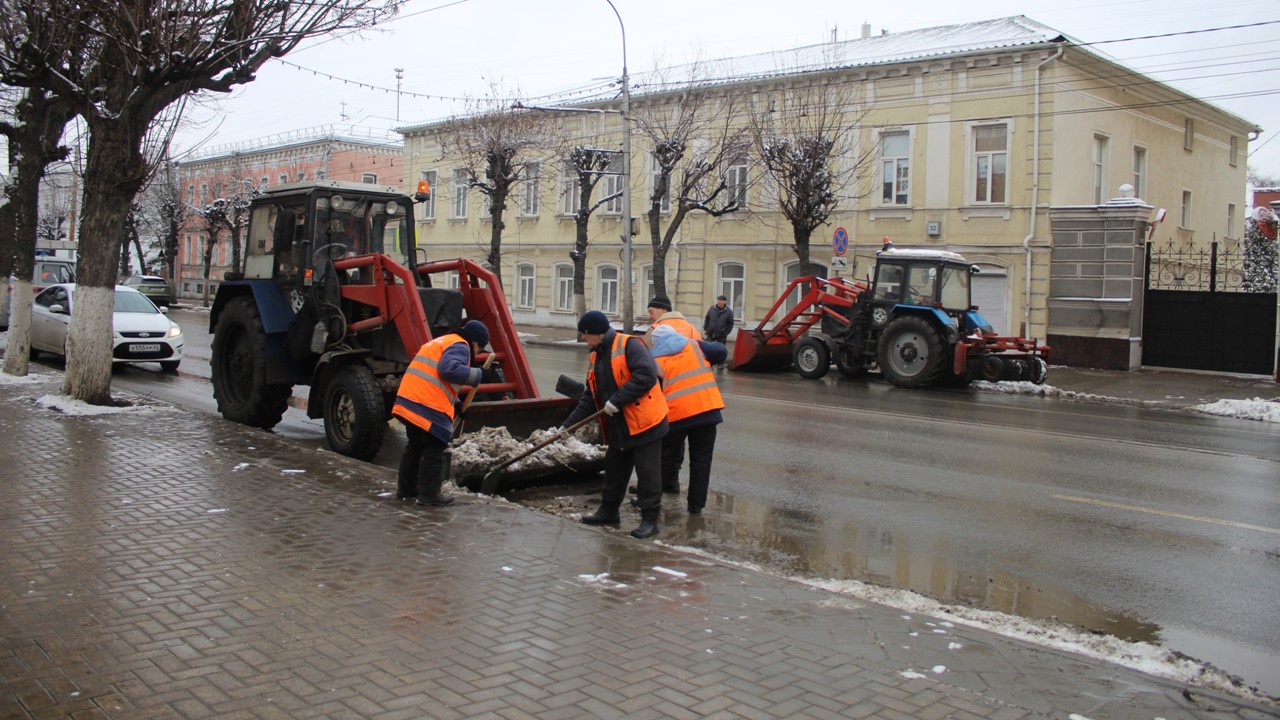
[[628, 311]]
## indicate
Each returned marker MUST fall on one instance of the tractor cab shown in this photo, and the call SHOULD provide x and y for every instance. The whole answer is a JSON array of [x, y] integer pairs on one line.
[[935, 282]]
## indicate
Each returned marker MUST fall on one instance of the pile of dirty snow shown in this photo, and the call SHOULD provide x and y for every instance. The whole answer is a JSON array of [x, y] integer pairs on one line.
[[477, 453]]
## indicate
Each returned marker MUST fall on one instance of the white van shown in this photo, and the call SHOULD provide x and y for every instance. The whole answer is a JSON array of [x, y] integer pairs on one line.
[[48, 271]]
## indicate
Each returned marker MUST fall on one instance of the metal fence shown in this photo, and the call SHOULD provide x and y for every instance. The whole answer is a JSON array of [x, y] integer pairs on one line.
[[1217, 268]]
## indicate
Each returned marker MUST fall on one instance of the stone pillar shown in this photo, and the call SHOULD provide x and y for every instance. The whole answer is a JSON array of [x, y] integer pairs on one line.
[[1096, 284]]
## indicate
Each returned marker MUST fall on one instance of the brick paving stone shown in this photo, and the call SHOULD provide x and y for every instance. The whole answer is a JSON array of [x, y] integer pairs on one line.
[[192, 573]]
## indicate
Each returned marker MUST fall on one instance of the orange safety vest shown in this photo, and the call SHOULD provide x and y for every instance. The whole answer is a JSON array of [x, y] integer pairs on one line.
[[422, 385], [682, 326], [688, 383], [642, 414]]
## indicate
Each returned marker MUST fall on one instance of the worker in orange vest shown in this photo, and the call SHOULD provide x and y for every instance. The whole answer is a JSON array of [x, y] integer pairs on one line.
[[694, 404], [424, 403], [661, 313], [622, 381]]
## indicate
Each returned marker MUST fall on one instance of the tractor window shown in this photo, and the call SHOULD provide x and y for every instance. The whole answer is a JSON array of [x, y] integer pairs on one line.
[[955, 288], [920, 285], [889, 282]]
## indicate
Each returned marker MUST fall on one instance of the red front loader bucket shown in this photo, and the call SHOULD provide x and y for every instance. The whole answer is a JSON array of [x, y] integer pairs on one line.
[[753, 351]]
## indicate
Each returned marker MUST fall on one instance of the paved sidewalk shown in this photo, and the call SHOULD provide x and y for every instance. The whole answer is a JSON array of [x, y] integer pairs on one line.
[[162, 564]]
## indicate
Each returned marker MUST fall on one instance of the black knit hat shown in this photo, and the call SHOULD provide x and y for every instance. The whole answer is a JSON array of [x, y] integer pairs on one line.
[[661, 302], [475, 332], [593, 322]]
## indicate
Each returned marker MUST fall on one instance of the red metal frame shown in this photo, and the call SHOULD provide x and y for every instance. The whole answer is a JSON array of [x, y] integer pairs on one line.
[[773, 344]]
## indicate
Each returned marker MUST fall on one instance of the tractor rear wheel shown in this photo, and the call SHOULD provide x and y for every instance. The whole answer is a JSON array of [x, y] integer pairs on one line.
[[911, 353], [239, 368], [355, 415], [812, 358]]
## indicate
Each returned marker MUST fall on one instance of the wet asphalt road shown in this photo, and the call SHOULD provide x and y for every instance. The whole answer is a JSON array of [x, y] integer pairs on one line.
[[1151, 525]]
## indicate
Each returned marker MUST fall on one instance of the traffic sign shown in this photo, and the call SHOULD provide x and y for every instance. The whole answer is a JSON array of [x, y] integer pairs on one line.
[[840, 241]]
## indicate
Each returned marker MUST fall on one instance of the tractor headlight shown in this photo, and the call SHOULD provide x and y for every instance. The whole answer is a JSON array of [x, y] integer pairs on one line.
[[393, 209]]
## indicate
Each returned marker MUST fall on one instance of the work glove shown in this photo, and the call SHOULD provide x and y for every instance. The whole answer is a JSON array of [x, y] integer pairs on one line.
[[563, 433], [610, 409]]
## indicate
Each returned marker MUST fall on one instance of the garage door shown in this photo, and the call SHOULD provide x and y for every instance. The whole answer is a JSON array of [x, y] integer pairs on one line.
[[991, 295]]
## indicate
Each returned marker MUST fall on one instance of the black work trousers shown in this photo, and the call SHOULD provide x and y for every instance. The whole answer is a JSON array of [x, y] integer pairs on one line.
[[646, 460], [702, 446], [421, 465]]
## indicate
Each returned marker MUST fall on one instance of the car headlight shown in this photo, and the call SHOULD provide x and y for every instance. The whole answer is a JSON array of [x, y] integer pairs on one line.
[[174, 329]]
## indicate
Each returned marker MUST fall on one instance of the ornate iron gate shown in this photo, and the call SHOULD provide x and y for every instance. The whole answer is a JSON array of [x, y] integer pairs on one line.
[[1196, 317]]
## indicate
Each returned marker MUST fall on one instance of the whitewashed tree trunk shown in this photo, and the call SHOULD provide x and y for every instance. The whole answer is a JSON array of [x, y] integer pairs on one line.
[[17, 357], [89, 341]]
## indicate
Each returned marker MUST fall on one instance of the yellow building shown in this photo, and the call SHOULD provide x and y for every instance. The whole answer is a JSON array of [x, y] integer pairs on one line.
[[970, 134]]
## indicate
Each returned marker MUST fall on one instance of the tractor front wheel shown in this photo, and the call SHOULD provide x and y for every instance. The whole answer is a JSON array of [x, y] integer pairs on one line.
[[239, 368], [812, 358], [911, 353], [355, 415]]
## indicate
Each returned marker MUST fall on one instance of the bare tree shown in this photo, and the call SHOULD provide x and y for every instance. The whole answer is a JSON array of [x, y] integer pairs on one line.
[[131, 241], [129, 62], [497, 146], [694, 139], [164, 215], [587, 167], [215, 220], [34, 137], [807, 144]]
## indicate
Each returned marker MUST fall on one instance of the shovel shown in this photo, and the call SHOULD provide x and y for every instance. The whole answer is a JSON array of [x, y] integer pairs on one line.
[[491, 478], [446, 467]]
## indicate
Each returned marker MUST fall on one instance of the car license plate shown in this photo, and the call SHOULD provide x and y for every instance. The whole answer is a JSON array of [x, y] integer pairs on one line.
[[145, 347]]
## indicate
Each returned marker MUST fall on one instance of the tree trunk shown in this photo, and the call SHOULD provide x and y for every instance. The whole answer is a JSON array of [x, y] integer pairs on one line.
[[579, 256], [210, 245], [113, 174], [23, 196], [497, 204], [801, 237], [659, 265]]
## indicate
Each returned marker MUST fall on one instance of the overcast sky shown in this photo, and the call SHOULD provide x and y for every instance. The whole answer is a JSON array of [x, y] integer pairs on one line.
[[460, 48]]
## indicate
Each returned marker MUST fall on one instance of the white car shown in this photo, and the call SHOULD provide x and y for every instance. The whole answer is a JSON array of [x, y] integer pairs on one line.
[[142, 331]]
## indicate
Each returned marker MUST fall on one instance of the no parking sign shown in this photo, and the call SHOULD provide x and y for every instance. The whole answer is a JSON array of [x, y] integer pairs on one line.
[[840, 241]]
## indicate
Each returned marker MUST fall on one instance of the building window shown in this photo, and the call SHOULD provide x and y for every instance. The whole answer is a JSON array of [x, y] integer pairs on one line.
[[204, 194], [655, 179], [369, 178], [564, 287], [191, 194], [524, 283], [460, 185], [732, 283], [1233, 154], [320, 174], [1188, 133], [1231, 221], [429, 207], [607, 289], [1186, 209], [262, 182], [532, 179], [613, 186], [736, 182], [1100, 144], [895, 163], [646, 281], [1139, 171], [283, 179], [990, 162], [570, 190]]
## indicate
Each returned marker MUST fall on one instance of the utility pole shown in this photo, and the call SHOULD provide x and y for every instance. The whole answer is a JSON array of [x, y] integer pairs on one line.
[[628, 309], [399, 77]]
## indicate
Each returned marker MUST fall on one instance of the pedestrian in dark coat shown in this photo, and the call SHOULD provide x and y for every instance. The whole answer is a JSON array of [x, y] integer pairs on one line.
[[718, 322], [623, 382]]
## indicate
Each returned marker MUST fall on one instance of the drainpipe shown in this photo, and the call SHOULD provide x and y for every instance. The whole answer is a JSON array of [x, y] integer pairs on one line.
[[1035, 190]]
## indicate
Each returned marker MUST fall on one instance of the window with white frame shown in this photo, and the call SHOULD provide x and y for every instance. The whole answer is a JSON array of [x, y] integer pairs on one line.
[[990, 163], [1188, 133], [263, 181], [1233, 153], [283, 179], [607, 289], [320, 174], [564, 287], [612, 186], [461, 182], [204, 194], [655, 177], [1185, 220], [1100, 193], [1139, 171], [895, 168], [525, 285], [736, 181], [429, 207], [530, 187], [646, 281], [369, 178], [191, 194], [570, 190], [732, 284], [1231, 220]]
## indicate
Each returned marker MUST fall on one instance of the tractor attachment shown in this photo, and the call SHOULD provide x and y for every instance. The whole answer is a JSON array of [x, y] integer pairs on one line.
[[766, 348]]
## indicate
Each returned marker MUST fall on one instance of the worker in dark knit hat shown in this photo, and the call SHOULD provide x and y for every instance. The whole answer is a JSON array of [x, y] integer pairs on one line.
[[661, 313], [424, 403], [622, 384]]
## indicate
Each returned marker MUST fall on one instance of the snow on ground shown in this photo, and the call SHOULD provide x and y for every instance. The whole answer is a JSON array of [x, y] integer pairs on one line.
[[1141, 656], [1255, 409]]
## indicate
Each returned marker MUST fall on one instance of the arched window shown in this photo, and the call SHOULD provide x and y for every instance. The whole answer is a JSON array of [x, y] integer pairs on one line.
[[564, 287], [792, 271], [607, 289], [525, 285], [731, 282]]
